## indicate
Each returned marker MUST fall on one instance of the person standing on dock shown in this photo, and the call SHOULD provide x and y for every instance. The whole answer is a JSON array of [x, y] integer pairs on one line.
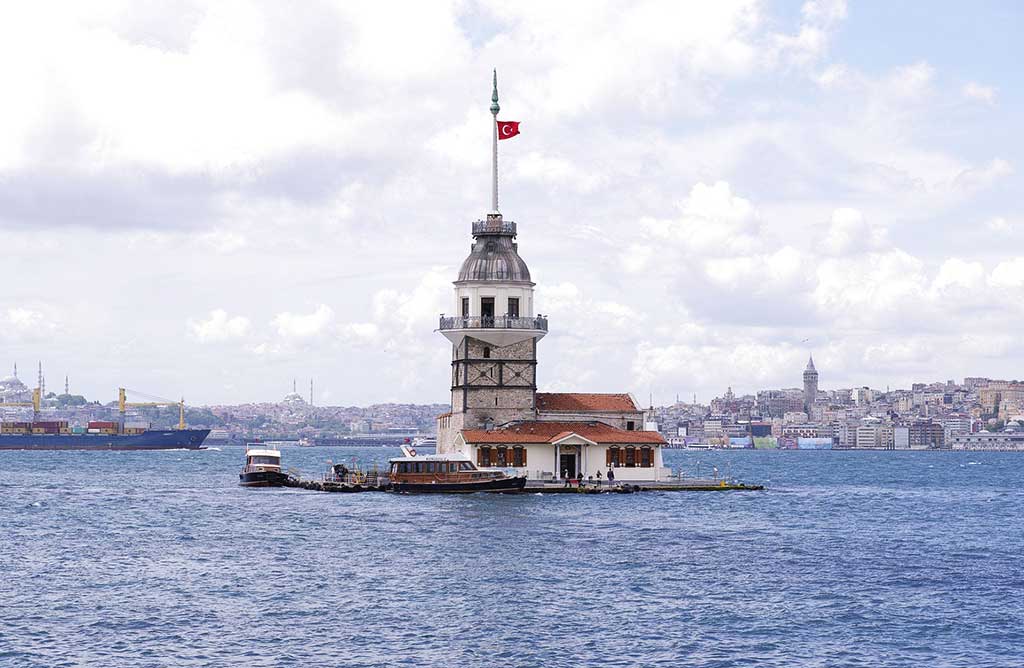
[[598, 477], [611, 476], [565, 477]]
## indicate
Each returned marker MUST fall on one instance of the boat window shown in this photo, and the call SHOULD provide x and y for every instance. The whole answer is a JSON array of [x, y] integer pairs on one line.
[[453, 467], [430, 467], [465, 466], [262, 459], [419, 467]]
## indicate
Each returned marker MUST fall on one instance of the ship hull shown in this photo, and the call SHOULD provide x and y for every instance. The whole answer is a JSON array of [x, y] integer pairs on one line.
[[171, 439], [499, 486], [262, 479]]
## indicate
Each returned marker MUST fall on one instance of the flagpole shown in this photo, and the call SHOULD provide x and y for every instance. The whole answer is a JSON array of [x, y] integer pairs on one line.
[[494, 145]]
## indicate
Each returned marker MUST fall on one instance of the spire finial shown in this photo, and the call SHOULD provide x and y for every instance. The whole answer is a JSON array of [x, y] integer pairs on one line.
[[494, 96]]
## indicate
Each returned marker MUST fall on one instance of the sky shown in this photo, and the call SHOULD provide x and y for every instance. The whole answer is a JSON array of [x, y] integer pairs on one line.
[[211, 199]]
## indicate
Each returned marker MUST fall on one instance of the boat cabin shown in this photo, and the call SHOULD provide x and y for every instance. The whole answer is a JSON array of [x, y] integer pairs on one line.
[[437, 468], [262, 459]]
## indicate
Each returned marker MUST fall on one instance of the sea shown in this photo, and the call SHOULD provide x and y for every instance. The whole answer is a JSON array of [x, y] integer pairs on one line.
[[845, 559]]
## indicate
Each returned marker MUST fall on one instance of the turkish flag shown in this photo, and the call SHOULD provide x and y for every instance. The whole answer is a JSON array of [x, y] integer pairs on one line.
[[507, 129]]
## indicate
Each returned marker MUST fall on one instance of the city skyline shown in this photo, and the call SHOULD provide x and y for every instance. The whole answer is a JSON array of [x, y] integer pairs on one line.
[[208, 211]]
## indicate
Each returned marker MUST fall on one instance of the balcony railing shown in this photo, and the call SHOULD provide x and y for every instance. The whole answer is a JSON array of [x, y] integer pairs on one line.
[[498, 322], [493, 227]]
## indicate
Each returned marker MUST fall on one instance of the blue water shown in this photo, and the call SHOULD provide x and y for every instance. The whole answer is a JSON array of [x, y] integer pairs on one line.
[[849, 559]]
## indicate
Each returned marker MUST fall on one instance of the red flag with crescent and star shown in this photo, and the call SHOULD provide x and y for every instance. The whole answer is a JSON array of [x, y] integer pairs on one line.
[[507, 129]]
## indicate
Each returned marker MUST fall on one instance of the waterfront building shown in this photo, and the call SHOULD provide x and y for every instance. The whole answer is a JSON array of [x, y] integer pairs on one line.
[[1012, 438], [497, 417]]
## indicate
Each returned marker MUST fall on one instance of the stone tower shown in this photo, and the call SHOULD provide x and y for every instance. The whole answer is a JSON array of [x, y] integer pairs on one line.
[[493, 331], [810, 385]]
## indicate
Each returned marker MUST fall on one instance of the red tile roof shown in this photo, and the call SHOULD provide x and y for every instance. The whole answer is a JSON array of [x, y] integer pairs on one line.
[[582, 402], [549, 432]]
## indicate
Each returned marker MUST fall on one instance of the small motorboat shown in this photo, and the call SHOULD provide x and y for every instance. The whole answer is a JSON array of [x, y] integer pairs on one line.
[[262, 467], [447, 474]]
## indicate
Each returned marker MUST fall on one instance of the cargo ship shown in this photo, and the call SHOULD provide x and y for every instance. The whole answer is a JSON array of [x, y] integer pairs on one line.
[[98, 435]]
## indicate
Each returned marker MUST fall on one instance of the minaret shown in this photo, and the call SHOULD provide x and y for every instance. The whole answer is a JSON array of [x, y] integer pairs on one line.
[[66, 392], [493, 331], [810, 385], [311, 392], [41, 383]]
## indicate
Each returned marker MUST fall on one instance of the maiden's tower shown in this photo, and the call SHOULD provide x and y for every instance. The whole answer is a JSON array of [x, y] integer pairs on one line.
[[497, 416]]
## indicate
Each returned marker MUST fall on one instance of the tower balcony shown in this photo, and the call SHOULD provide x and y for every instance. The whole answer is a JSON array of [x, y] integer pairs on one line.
[[494, 225], [497, 330]]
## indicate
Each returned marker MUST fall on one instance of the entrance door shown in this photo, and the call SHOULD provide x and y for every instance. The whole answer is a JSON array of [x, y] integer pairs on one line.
[[487, 311], [567, 463]]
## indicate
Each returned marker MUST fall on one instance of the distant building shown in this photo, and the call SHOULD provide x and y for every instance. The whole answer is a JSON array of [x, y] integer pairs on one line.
[[12, 390], [810, 385], [294, 398]]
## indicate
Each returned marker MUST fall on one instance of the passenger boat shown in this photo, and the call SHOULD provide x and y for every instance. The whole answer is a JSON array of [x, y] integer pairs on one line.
[[447, 474], [262, 467]]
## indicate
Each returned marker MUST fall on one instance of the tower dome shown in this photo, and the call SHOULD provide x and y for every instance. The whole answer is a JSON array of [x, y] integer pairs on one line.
[[494, 255]]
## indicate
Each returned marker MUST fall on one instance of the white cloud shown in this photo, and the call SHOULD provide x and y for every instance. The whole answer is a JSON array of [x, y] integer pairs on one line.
[[999, 224], [975, 91], [849, 232], [28, 323], [303, 326], [713, 221], [1008, 274], [219, 326]]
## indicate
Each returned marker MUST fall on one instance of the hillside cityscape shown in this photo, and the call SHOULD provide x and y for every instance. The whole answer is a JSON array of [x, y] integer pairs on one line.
[[975, 414]]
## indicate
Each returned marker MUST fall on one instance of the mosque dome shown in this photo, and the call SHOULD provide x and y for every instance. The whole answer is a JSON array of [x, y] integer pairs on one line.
[[12, 389], [494, 255], [293, 398]]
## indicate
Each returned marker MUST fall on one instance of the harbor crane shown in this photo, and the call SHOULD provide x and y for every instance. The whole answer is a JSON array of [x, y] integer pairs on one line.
[[123, 404]]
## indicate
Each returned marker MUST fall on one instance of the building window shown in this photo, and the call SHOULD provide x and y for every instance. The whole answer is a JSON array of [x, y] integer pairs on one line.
[[487, 311], [646, 458], [519, 456], [483, 456], [465, 307], [611, 456], [487, 353], [513, 307], [630, 457], [501, 459], [630, 425]]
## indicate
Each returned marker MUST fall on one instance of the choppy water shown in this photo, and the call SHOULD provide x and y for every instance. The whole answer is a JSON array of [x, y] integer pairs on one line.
[[850, 559]]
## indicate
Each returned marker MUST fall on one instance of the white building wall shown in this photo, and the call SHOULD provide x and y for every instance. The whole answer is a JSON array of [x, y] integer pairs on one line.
[[541, 462], [500, 292]]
